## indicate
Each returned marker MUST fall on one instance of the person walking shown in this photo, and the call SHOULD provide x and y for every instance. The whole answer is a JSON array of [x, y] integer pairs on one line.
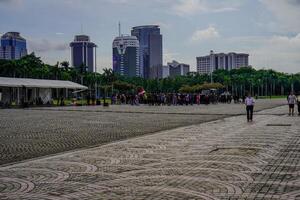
[[298, 104], [198, 99], [292, 100], [249, 102]]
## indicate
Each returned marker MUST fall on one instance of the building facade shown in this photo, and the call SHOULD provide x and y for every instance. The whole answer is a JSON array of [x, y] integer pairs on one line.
[[13, 46], [151, 53], [83, 53], [165, 71], [212, 62], [126, 56], [178, 69]]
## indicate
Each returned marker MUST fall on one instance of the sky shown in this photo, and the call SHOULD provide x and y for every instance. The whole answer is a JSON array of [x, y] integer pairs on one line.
[[269, 30]]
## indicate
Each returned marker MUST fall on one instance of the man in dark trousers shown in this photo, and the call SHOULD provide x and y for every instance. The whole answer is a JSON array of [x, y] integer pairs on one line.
[[249, 102], [298, 104]]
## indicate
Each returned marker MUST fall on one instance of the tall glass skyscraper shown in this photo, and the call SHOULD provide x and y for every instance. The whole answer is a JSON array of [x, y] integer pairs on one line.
[[126, 56], [83, 53], [13, 46], [151, 51]]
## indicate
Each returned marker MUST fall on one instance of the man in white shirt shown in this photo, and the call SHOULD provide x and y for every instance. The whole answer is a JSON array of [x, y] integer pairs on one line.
[[249, 102], [292, 100], [298, 103]]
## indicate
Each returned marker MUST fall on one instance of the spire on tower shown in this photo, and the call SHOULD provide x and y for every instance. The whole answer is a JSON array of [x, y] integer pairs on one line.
[[119, 29]]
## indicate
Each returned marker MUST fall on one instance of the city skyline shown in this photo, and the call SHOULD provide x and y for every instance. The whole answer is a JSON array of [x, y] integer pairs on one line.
[[191, 28]]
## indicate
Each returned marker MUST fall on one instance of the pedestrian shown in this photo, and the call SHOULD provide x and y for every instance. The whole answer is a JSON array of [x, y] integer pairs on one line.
[[298, 104], [198, 99], [249, 102], [292, 100], [187, 99], [174, 99]]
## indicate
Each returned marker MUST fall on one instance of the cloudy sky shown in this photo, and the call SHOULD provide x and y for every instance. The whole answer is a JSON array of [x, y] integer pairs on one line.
[[269, 30]]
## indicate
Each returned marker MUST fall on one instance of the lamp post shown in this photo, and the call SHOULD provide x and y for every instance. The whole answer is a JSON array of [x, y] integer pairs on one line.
[[211, 75]]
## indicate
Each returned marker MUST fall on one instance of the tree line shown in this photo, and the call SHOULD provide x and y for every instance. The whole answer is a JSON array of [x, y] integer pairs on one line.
[[262, 82]]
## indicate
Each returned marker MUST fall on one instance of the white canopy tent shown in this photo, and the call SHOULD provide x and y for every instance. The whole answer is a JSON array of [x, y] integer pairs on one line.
[[15, 89], [39, 83]]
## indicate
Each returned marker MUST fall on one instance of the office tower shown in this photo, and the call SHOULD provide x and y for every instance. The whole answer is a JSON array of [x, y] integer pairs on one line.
[[212, 62], [83, 53], [13, 46], [165, 71], [126, 56], [151, 53], [178, 69]]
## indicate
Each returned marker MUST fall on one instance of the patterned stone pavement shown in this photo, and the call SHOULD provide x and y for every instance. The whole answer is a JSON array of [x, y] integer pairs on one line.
[[223, 159], [28, 134], [31, 133]]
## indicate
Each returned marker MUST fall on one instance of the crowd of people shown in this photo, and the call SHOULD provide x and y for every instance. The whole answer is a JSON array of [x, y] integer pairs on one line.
[[175, 99]]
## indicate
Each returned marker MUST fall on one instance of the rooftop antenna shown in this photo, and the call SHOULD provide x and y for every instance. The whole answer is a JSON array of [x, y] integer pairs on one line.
[[81, 29], [119, 29]]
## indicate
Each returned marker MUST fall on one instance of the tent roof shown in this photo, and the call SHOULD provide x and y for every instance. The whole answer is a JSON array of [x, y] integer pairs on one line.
[[39, 83]]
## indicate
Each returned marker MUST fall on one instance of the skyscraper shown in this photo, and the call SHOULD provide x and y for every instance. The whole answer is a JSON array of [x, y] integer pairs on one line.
[[212, 62], [126, 55], [83, 53], [151, 52], [13, 46]]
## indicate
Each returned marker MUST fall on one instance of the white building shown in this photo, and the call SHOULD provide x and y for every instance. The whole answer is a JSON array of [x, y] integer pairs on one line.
[[212, 62], [178, 69], [165, 71], [126, 56]]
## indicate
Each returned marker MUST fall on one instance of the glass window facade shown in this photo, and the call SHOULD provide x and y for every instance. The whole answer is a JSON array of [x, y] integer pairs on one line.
[[13, 46], [151, 52]]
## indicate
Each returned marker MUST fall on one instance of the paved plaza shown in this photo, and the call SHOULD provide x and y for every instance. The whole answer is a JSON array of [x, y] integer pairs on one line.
[[31, 133], [225, 158]]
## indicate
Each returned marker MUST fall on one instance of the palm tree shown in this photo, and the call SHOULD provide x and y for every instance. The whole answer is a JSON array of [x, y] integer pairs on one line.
[[65, 65]]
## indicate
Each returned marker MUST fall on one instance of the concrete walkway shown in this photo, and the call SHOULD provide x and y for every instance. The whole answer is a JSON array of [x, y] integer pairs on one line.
[[224, 159]]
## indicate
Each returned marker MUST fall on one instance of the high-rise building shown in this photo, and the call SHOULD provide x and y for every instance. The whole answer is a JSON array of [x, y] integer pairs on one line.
[[126, 55], [212, 62], [165, 71], [13, 46], [83, 53], [178, 69], [151, 53]]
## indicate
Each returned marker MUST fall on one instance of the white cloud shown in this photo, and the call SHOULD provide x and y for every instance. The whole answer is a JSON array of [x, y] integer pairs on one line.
[[44, 45], [163, 25], [277, 52], [169, 56], [191, 7], [206, 34], [10, 1], [103, 61], [286, 12]]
